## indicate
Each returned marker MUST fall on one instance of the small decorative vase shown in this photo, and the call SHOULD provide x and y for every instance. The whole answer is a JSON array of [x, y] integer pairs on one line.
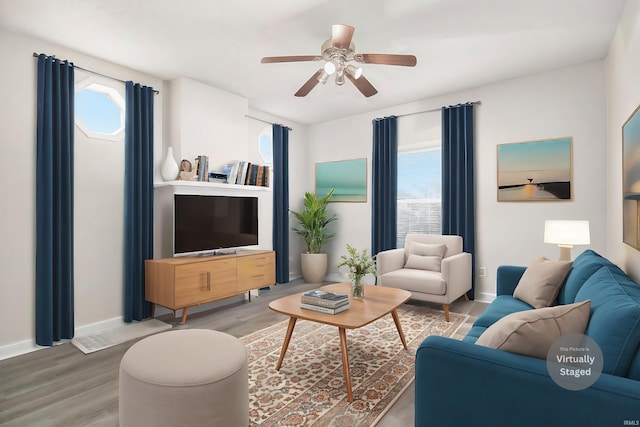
[[357, 289], [169, 167]]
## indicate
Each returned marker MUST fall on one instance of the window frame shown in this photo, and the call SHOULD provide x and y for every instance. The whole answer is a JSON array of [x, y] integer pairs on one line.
[[414, 148], [98, 86]]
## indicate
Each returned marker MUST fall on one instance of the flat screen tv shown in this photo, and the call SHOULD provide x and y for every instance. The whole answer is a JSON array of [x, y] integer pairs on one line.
[[205, 224]]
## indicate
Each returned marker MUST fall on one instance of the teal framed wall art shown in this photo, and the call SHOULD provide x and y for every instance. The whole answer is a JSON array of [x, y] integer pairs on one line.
[[348, 178]]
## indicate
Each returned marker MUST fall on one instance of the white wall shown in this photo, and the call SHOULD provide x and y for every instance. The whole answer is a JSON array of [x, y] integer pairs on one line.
[[623, 97], [207, 121], [566, 102], [98, 300]]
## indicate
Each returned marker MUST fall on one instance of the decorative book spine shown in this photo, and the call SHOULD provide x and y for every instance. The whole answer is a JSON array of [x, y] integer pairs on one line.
[[324, 309], [324, 302]]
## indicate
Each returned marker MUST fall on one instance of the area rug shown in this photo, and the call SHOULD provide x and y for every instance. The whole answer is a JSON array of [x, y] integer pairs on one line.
[[108, 338], [309, 389]]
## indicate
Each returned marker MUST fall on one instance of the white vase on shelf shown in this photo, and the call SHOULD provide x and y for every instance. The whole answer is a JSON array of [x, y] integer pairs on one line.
[[169, 167]]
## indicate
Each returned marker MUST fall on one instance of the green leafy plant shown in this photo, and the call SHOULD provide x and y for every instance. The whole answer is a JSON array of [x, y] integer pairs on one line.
[[359, 263], [313, 220]]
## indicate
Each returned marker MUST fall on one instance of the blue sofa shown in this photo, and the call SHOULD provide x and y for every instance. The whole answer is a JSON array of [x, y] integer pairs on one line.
[[459, 383]]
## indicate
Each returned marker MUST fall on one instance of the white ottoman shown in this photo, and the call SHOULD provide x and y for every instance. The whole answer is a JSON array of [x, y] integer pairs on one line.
[[190, 377]]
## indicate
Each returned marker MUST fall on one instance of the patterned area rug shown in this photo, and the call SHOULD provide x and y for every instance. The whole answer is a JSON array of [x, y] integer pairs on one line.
[[309, 389]]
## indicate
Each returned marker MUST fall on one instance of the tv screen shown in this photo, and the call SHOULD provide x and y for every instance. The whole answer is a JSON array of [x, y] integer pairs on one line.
[[208, 223]]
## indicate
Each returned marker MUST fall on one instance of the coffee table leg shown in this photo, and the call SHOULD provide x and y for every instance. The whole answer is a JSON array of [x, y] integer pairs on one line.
[[396, 319], [345, 363], [287, 338]]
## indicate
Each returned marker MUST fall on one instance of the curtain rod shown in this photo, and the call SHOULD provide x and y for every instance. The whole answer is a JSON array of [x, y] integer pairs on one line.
[[35, 55], [436, 109], [264, 121]]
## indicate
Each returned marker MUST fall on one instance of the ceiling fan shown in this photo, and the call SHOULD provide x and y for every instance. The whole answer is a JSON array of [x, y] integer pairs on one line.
[[338, 52]]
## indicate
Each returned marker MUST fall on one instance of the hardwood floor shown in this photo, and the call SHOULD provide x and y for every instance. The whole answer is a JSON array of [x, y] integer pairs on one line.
[[61, 386]]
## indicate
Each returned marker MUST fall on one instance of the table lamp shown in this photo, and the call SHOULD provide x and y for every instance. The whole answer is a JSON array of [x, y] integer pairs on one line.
[[566, 234]]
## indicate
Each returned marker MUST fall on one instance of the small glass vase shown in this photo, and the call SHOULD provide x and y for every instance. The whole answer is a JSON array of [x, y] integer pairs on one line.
[[357, 289]]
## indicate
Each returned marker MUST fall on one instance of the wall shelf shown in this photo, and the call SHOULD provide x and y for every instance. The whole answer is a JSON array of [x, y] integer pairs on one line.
[[207, 184]]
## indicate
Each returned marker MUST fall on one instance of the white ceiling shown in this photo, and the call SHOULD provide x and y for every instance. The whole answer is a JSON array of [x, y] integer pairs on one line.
[[459, 43]]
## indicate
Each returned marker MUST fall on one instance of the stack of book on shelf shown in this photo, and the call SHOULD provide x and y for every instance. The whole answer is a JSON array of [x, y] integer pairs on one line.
[[245, 173], [325, 302], [201, 168]]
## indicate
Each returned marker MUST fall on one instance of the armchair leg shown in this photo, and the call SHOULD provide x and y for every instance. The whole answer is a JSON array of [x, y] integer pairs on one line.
[[445, 307]]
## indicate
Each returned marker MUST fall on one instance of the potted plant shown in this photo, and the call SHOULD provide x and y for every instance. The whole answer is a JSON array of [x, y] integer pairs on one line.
[[360, 264], [313, 221]]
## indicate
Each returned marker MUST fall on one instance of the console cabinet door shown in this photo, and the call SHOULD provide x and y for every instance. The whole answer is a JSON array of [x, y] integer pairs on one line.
[[201, 282], [255, 271]]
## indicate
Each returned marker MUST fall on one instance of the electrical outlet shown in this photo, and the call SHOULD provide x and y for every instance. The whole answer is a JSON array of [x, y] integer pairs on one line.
[[483, 271]]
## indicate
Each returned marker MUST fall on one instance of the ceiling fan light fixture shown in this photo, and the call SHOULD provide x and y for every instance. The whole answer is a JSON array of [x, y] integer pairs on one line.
[[330, 67], [323, 77], [354, 71], [340, 77]]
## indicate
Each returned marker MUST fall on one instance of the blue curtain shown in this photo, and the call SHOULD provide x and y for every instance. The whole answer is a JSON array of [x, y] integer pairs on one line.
[[281, 201], [54, 201], [458, 200], [384, 204], [138, 193]]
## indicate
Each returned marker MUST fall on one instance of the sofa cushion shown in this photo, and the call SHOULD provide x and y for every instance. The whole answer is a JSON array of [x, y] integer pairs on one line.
[[424, 256], [634, 368], [413, 280], [585, 264], [541, 281], [500, 307], [615, 317], [473, 334], [532, 332]]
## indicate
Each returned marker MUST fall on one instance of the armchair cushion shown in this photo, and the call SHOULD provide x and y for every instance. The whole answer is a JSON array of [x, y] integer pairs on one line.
[[532, 332], [424, 256], [541, 282], [412, 280]]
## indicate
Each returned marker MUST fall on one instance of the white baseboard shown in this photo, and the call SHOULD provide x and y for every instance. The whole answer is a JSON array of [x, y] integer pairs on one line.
[[484, 297], [103, 325], [27, 346], [16, 349]]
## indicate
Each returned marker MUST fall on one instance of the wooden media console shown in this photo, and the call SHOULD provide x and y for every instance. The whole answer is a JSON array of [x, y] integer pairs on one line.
[[184, 282]]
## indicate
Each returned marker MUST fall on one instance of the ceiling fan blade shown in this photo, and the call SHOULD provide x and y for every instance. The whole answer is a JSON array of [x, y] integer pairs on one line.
[[389, 59], [341, 35], [309, 84], [363, 85], [293, 58]]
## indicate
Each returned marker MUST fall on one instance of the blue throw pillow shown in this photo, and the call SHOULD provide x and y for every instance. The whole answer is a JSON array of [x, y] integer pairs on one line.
[[615, 317], [585, 264]]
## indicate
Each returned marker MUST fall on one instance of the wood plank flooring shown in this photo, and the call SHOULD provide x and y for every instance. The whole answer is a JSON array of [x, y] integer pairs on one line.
[[61, 386]]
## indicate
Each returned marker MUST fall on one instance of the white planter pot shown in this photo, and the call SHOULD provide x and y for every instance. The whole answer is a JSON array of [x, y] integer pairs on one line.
[[314, 267]]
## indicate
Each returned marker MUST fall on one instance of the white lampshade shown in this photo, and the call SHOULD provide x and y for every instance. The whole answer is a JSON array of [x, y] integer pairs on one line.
[[566, 234]]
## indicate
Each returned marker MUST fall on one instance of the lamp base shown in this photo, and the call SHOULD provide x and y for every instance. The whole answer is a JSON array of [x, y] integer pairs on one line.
[[565, 252]]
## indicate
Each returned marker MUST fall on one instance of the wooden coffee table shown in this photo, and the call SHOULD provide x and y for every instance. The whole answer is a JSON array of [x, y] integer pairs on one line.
[[378, 301]]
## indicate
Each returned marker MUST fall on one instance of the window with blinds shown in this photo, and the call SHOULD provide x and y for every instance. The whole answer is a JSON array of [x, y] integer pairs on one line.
[[419, 193]]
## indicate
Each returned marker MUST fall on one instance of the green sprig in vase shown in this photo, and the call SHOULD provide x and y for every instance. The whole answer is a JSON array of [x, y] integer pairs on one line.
[[360, 264]]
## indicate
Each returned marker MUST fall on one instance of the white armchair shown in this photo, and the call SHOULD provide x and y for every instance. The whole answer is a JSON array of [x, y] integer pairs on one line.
[[432, 267]]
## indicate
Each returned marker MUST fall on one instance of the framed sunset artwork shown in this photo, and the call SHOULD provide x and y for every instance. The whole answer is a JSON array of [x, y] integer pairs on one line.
[[631, 180], [535, 171]]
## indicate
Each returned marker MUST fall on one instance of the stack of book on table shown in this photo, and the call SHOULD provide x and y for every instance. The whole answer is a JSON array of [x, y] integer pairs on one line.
[[325, 302]]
